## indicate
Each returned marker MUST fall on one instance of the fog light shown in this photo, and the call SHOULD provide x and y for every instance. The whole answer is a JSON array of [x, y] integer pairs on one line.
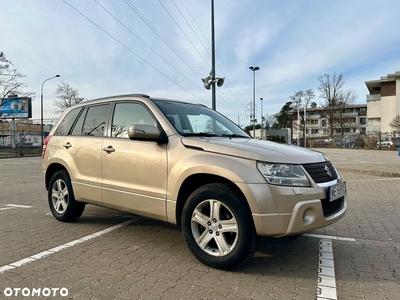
[[308, 215]]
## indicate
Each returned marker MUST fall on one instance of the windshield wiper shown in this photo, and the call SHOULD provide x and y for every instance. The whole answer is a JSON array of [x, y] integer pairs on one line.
[[206, 134], [235, 136]]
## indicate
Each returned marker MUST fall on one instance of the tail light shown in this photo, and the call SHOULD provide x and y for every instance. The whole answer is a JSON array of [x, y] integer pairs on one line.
[[46, 141]]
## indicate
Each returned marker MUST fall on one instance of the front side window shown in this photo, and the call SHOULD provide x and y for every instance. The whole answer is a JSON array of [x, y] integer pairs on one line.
[[129, 113], [195, 120]]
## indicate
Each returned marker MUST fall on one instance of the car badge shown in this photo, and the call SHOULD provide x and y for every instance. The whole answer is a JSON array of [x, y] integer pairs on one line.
[[328, 171]]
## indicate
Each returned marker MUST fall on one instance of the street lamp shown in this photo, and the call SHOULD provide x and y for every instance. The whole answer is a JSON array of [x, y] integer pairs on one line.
[[211, 80], [262, 119], [41, 108], [254, 69]]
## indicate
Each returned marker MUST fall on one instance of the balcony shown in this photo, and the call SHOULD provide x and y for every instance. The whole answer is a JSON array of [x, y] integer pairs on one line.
[[313, 117], [350, 114], [376, 97]]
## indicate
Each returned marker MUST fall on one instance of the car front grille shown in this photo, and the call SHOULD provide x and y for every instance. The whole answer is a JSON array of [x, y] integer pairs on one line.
[[321, 172], [325, 172]]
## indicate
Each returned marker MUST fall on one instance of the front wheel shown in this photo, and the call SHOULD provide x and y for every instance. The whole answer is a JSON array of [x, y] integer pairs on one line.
[[61, 198], [218, 227]]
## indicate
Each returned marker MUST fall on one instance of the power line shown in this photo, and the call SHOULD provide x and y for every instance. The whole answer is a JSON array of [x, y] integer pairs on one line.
[[152, 27], [161, 37], [196, 85], [183, 31], [130, 50], [227, 77]]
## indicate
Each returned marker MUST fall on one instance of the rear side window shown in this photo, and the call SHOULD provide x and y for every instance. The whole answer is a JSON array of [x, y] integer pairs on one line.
[[66, 124], [95, 120]]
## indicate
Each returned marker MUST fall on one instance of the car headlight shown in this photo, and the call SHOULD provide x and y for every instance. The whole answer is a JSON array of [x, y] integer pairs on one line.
[[283, 174]]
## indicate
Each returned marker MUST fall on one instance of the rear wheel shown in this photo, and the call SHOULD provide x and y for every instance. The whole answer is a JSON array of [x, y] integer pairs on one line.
[[218, 227], [61, 198]]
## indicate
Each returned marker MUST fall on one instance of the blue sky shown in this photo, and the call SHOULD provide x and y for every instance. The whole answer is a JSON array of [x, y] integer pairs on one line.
[[107, 49]]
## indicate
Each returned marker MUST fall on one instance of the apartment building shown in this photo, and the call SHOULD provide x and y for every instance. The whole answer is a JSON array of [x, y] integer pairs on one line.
[[383, 102], [372, 118]]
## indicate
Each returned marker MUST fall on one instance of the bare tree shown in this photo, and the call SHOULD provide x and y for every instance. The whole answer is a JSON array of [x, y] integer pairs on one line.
[[396, 123], [270, 121], [336, 99], [10, 80], [66, 97], [301, 99]]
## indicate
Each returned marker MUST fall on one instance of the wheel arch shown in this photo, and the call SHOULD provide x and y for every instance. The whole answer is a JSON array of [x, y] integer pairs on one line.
[[193, 182], [51, 170]]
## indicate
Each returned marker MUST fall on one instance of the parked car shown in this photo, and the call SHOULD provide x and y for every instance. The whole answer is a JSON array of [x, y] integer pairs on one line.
[[188, 165], [354, 143], [388, 143]]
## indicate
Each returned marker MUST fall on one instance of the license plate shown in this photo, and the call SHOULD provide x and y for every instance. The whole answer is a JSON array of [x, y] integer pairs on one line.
[[337, 191]]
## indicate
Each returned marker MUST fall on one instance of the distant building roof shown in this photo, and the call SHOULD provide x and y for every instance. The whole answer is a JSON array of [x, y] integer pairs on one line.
[[374, 84]]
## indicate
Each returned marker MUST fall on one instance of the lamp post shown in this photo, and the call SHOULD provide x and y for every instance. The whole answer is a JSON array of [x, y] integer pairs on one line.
[[305, 123], [298, 124], [41, 108], [254, 69], [211, 80], [262, 120]]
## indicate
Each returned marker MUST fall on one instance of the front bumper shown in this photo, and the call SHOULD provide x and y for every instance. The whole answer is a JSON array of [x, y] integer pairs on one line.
[[306, 216]]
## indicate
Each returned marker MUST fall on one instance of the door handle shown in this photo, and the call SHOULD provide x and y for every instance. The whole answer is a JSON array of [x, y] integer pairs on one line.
[[67, 145], [109, 149]]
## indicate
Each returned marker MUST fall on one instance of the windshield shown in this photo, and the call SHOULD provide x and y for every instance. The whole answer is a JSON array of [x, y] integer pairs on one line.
[[195, 120]]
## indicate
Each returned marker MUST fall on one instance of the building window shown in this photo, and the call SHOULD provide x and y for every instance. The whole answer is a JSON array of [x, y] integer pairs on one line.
[[314, 122], [363, 121], [314, 131], [363, 130], [323, 122]]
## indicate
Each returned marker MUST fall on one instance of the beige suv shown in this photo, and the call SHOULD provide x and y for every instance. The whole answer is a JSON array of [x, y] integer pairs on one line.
[[188, 165]]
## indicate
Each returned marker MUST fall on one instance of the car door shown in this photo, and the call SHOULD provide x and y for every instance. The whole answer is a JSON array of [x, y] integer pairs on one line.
[[134, 172], [84, 148]]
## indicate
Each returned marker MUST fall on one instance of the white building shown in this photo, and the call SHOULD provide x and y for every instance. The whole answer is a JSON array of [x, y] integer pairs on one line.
[[383, 102]]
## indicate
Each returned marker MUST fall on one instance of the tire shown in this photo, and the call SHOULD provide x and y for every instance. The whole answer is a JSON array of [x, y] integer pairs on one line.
[[222, 238], [61, 198]]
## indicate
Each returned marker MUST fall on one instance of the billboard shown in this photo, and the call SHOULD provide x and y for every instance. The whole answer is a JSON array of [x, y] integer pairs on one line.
[[16, 107]]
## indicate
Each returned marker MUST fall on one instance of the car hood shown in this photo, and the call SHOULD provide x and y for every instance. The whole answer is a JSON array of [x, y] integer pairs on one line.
[[255, 149]]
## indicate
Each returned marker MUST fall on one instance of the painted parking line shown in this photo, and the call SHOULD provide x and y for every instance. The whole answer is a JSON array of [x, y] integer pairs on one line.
[[331, 237], [5, 208], [18, 205], [48, 252], [326, 284], [11, 206]]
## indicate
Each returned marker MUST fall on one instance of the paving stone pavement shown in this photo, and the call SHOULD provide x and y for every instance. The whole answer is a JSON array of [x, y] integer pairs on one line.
[[147, 259]]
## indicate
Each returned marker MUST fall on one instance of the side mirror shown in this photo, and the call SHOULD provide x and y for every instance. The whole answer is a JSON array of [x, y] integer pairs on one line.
[[143, 132]]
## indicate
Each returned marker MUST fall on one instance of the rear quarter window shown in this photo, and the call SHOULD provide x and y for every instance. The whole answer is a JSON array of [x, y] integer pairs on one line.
[[65, 125]]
